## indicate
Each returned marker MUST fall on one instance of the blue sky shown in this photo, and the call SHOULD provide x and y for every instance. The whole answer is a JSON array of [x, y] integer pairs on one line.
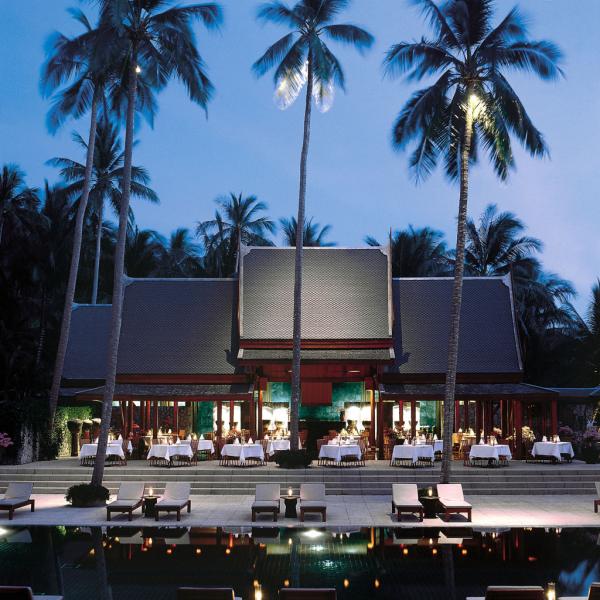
[[357, 183]]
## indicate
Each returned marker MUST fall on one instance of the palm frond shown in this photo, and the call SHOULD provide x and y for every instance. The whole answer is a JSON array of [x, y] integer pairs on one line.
[[352, 35]]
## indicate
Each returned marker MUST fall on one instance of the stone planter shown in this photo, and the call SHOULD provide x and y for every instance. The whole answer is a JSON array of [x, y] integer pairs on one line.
[[74, 427]]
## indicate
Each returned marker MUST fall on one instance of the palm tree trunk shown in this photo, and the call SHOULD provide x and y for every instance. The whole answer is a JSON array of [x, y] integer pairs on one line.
[[295, 399], [118, 281], [42, 332], [457, 286], [97, 254], [65, 327], [1, 222]]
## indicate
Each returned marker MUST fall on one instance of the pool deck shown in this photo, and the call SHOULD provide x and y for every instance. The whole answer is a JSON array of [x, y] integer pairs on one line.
[[491, 512]]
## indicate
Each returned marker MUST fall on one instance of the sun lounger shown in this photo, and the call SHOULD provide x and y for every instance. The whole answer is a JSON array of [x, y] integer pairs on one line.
[[199, 593], [597, 500], [452, 499], [9, 592], [594, 593], [502, 592], [405, 499], [129, 498], [307, 594], [266, 499], [312, 499], [17, 495], [175, 498]]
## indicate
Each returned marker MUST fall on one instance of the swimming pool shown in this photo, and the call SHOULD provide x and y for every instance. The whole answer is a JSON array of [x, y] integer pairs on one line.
[[132, 563]]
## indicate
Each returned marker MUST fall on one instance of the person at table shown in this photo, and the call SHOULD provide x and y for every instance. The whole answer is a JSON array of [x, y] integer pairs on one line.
[[352, 429]]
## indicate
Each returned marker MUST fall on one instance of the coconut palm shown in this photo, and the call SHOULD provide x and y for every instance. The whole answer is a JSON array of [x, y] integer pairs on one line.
[[299, 58], [471, 106], [237, 221], [17, 201], [593, 337], [417, 252], [180, 256], [107, 175], [153, 41], [143, 252], [313, 235], [75, 68]]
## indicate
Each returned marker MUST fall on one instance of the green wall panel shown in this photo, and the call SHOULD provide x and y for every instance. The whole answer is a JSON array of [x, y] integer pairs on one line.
[[204, 417]]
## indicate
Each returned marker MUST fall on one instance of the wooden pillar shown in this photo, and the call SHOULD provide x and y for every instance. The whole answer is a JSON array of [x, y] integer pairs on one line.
[[544, 409], [456, 415], [130, 418], [155, 418], [231, 414], [123, 417], [372, 429], [554, 416], [489, 417], [148, 414], [219, 419], [259, 421], [413, 418], [379, 427], [518, 412], [401, 413], [176, 417], [503, 419], [478, 417], [252, 419]]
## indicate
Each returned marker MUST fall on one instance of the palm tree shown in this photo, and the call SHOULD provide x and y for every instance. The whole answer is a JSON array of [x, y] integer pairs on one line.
[[106, 181], [313, 234], [180, 256], [495, 245], [593, 337], [152, 41], [17, 201], [143, 252], [75, 66], [417, 252], [471, 105], [238, 222], [298, 58]]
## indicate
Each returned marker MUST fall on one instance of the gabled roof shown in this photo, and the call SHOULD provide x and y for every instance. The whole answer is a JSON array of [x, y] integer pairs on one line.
[[88, 342], [344, 294], [488, 340], [179, 326]]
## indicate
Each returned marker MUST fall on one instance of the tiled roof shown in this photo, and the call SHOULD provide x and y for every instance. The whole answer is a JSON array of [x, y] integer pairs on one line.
[[353, 354], [436, 390], [171, 390], [487, 341], [344, 293], [88, 342], [179, 326]]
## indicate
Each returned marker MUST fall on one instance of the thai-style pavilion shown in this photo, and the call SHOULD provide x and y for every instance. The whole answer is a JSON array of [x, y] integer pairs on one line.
[[204, 354]]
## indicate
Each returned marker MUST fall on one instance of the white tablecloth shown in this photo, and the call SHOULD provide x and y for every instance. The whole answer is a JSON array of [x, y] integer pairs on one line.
[[438, 446], [554, 449], [412, 453], [487, 451], [167, 451], [335, 451], [243, 452], [206, 445], [112, 449], [276, 445]]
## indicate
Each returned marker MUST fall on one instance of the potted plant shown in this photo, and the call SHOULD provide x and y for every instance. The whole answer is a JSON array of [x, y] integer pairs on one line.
[[5, 442], [85, 495], [292, 459], [565, 433], [74, 427], [589, 446]]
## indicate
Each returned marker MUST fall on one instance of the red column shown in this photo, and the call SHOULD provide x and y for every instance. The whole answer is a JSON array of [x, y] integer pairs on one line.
[[518, 412], [130, 418], [259, 421], [413, 417], [372, 429], [554, 416], [123, 417], [252, 420], [231, 412], [155, 418], [379, 427], [456, 415], [400, 412], [467, 420], [219, 419], [478, 417], [544, 408], [489, 417], [148, 414], [503, 419], [176, 417]]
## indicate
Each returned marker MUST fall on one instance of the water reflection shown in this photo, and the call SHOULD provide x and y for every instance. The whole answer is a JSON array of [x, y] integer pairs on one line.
[[137, 562]]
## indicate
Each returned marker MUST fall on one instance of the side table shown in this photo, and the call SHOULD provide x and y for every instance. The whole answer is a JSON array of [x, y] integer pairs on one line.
[[290, 506], [430, 506], [149, 506]]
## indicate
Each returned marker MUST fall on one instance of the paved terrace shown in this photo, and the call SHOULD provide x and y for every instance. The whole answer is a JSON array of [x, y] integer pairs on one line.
[[343, 511]]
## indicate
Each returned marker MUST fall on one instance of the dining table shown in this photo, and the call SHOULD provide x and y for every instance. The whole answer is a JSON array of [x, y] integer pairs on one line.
[[168, 451], [335, 452], [277, 446], [113, 448], [490, 452], [553, 449], [411, 453], [244, 451]]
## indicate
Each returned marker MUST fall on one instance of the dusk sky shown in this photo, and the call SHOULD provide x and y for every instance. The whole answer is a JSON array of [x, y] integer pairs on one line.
[[356, 182]]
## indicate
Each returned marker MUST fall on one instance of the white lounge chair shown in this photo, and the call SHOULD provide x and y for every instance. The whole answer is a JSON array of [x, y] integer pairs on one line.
[[452, 499], [22, 593], [17, 495], [129, 498], [405, 499], [312, 499], [266, 499], [175, 498]]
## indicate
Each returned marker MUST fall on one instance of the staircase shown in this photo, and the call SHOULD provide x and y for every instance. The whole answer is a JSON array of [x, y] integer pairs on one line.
[[209, 478]]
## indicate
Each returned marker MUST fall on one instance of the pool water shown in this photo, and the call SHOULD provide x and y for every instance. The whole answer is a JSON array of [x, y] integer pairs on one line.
[[132, 563]]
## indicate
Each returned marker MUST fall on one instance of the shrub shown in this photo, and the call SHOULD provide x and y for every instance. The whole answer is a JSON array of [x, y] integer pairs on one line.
[[86, 494], [565, 431], [292, 459]]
